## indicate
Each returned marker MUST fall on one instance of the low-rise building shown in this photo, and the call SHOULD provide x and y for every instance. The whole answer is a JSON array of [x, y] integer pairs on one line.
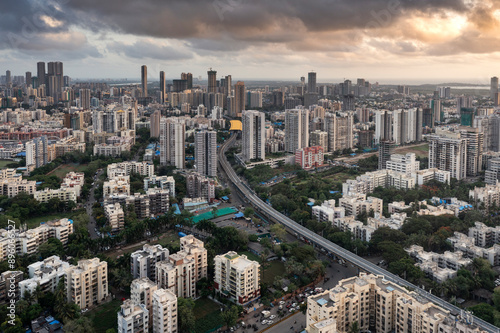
[[15, 185], [358, 203], [406, 164], [310, 157], [64, 194], [488, 195], [237, 277], [467, 246], [423, 176], [483, 235], [367, 182], [116, 186], [44, 274], [327, 212], [397, 207], [75, 181], [129, 167], [9, 282], [162, 182]]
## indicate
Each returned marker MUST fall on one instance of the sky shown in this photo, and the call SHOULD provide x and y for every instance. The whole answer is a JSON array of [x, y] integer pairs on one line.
[[389, 41]]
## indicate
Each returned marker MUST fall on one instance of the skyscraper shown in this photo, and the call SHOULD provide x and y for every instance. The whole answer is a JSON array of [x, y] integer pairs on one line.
[[384, 153], [463, 102], [37, 152], [8, 79], [228, 85], [494, 87], [189, 79], [448, 152], [154, 124], [85, 99], [296, 129], [311, 82], [239, 95], [172, 142], [55, 77], [212, 81], [206, 152], [40, 73], [162, 87], [144, 80], [253, 135], [340, 132], [28, 79]]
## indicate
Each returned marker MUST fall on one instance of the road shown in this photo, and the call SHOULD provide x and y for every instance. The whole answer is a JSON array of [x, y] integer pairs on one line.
[[327, 245], [88, 206]]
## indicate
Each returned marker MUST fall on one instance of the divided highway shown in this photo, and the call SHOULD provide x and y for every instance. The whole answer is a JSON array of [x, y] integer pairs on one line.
[[329, 246]]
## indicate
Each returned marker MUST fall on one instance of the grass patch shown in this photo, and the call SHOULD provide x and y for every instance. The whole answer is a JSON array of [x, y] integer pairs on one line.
[[4, 163], [62, 170], [34, 222], [422, 150], [272, 269], [207, 315], [104, 317], [169, 238]]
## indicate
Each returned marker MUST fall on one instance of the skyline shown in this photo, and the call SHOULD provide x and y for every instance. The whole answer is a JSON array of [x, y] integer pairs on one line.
[[393, 41]]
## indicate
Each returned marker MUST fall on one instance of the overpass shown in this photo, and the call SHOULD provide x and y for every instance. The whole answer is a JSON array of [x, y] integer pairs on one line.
[[330, 247]]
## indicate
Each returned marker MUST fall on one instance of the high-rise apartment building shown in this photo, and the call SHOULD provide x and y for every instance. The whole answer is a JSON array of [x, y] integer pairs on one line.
[[143, 262], [37, 153], [85, 99], [463, 102], [28, 79], [206, 152], [40, 73], [319, 138], [400, 126], [384, 153], [141, 292], [163, 90], [239, 95], [164, 312], [448, 153], [237, 277], [253, 135], [311, 82], [296, 129], [340, 132], [87, 283], [212, 81], [494, 87], [144, 80], [154, 124], [55, 80], [406, 164], [189, 80], [172, 142]]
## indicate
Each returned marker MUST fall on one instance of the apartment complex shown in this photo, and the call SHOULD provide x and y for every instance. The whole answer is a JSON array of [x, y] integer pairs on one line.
[[319, 138], [44, 274], [488, 195], [165, 318], [116, 186], [172, 142], [206, 152], [340, 132], [180, 272], [310, 157], [87, 283], [163, 182], [9, 281], [126, 168], [406, 164], [199, 186], [237, 277], [115, 216], [367, 182], [380, 306], [133, 318], [296, 129], [143, 262], [28, 242], [469, 248], [63, 194], [141, 292], [327, 212], [358, 203]]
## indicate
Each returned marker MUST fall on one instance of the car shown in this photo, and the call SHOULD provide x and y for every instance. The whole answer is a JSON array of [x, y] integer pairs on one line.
[[294, 305], [264, 322], [291, 309], [272, 317], [288, 306], [282, 302], [256, 315], [280, 307], [232, 329]]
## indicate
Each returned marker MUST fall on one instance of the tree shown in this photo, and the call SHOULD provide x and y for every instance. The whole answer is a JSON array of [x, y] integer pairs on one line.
[[249, 212], [185, 314], [483, 311], [354, 328], [279, 231], [80, 325], [230, 315]]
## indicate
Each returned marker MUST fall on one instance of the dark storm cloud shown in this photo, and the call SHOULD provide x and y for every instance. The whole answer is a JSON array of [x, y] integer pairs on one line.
[[145, 49]]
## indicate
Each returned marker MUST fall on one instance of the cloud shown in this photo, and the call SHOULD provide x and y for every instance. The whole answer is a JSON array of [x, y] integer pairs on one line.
[[144, 48]]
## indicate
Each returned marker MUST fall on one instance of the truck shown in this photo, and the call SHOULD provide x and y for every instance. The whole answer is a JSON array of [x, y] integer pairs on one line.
[[266, 313]]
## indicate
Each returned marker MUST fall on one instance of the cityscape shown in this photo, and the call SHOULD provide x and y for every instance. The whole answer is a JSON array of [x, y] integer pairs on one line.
[[237, 167]]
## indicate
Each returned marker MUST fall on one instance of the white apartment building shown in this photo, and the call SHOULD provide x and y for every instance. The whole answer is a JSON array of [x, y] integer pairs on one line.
[[483, 235], [44, 274], [438, 267], [28, 242], [141, 292], [165, 318], [423, 176], [196, 248], [357, 229], [126, 168], [327, 212], [448, 153], [237, 277], [87, 283], [253, 135], [488, 195], [178, 275], [14, 185], [206, 152], [397, 207], [172, 142], [133, 318], [357, 203], [395, 221], [381, 306], [143, 262], [367, 182], [115, 216], [467, 246], [64, 194], [296, 129], [163, 182], [116, 186], [75, 181], [406, 164]]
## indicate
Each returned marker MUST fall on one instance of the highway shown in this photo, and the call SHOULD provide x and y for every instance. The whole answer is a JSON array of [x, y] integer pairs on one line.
[[329, 246]]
